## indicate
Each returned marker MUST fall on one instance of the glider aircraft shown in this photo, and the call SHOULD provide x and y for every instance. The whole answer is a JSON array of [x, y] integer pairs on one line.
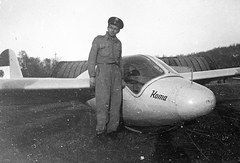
[[155, 94]]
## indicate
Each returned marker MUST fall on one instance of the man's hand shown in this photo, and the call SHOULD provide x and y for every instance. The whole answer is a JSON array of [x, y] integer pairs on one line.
[[92, 82]]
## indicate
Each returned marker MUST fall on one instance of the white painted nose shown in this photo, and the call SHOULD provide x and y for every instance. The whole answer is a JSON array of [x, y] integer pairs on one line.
[[194, 101]]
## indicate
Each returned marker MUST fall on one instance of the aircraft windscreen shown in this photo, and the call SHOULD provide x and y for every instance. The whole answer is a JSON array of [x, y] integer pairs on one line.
[[138, 70], [171, 70]]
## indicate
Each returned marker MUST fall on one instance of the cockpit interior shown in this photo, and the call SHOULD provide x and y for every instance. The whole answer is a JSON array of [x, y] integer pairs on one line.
[[138, 70]]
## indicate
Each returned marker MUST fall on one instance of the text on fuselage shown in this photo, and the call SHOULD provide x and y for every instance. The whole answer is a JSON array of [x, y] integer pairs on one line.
[[158, 96]]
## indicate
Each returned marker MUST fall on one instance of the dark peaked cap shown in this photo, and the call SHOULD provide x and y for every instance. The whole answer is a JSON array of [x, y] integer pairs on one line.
[[116, 21]]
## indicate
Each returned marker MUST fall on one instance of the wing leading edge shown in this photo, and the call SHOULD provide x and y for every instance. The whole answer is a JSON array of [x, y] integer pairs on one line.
[[211, 74], [43, 83]]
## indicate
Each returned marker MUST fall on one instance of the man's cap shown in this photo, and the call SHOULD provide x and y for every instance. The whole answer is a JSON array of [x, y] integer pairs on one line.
[[116, 21]]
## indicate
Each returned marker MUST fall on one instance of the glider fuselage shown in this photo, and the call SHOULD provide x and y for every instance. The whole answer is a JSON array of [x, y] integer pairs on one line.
[[155, 94]]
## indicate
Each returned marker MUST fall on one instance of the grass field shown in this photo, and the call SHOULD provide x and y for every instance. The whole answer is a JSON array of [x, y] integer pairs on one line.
[[63, 132]]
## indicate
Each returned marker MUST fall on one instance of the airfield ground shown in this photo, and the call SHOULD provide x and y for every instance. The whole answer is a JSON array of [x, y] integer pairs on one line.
[[63, 132]]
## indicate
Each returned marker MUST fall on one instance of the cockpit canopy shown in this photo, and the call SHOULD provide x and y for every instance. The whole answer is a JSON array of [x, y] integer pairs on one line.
[[140, 69]]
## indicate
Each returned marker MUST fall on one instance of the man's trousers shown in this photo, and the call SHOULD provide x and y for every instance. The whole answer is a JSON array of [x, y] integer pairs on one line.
[[108, 97]]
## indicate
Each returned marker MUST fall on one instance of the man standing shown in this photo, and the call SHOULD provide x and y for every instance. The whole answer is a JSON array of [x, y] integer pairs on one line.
[[105, 71]]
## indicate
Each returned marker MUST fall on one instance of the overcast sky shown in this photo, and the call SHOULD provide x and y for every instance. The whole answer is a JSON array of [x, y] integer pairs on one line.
[[156, 27]]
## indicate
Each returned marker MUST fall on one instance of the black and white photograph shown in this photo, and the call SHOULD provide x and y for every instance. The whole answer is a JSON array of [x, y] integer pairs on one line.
[[119, 81]]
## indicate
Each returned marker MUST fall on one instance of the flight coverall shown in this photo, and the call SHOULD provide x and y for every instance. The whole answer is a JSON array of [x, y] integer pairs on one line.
[[105, 64]]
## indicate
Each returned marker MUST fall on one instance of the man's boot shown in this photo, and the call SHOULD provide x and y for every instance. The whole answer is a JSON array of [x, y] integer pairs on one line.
[[102, 137], [113, 136]]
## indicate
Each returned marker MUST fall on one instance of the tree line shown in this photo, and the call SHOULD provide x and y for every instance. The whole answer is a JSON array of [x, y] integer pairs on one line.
[[35, 67], [223, 57]]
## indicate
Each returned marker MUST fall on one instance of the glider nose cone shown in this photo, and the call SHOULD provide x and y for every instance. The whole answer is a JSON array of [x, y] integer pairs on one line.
[[195, 102]]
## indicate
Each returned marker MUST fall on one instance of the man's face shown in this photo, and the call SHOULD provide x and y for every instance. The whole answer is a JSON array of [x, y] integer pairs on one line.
[[113, 30]]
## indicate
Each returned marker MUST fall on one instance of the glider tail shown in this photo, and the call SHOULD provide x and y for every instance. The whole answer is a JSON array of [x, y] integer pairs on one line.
[[9, 65]]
